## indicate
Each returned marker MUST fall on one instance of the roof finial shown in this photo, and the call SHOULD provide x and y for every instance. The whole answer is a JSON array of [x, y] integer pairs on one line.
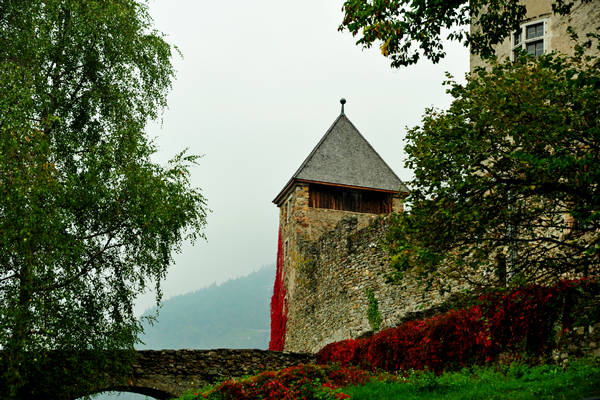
[[343, 101]]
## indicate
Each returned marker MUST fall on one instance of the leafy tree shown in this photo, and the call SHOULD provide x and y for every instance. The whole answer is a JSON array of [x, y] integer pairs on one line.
[[507, 180], [87, 220], [410, 29]]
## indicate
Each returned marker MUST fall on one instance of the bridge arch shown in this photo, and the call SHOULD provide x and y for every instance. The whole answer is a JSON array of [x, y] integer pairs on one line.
[[146, 391]]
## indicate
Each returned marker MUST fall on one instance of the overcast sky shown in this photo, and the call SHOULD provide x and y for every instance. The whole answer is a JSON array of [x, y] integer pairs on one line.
[[257, 87]]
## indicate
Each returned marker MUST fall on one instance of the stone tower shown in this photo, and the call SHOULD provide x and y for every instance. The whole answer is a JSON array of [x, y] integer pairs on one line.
[[542, 31], [343, 176]]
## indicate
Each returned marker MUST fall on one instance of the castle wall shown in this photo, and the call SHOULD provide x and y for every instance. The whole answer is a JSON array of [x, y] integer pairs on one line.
[[329, 303], [583, 18]]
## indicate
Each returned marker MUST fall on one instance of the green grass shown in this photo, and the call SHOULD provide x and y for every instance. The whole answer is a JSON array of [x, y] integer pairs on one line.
[[581, 379]]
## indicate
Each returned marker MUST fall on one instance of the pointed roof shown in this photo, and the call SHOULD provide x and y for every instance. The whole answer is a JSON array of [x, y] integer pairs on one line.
[[343, 157]]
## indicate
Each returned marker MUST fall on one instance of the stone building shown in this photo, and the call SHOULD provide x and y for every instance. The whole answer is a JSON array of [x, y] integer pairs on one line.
[[343, 186], [542, 31]]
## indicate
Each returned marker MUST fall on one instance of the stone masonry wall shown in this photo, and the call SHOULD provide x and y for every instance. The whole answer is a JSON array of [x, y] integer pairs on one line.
[[582, 341], [301, 224], [329, 302]]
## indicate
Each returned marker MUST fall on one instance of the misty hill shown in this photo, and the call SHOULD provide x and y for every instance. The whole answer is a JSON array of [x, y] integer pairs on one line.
[[232, 315]]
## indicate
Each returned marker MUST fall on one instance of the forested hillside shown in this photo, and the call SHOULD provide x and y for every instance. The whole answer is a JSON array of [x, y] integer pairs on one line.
[[234, 314]]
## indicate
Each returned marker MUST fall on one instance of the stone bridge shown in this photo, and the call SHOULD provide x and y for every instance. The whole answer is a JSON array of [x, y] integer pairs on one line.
[[166, 374]]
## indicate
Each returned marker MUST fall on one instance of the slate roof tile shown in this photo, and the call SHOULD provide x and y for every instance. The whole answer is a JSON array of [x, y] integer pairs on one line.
[[344, 157]]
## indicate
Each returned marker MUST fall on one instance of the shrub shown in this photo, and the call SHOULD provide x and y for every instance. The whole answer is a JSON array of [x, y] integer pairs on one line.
[[373, 313], [297, 382], [344, 352], [395, 348]]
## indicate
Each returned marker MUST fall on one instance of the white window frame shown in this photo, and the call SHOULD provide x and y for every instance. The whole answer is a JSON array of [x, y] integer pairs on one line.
[[524, 41]]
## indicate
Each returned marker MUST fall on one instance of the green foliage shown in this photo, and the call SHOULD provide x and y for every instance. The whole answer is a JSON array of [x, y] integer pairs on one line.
[[307, 277], [508, 178], [87, 220], [373, 313], [581, 379], [409, 29], [306, 265], [424, 380]]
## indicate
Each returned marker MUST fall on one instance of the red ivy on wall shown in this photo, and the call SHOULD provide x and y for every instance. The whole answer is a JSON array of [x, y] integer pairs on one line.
[[523, 320], [278, 306]]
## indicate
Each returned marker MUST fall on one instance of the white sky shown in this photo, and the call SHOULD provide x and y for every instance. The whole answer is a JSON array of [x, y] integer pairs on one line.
[[258, 85]]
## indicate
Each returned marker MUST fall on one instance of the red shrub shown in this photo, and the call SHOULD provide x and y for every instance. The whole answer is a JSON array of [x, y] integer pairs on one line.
[[521, 320], [395, 348], [452, 338], [344, 352], [297, 382], [345, 376]]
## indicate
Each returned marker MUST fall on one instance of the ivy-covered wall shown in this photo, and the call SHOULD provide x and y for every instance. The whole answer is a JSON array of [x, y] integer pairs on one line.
[[300, 227]]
